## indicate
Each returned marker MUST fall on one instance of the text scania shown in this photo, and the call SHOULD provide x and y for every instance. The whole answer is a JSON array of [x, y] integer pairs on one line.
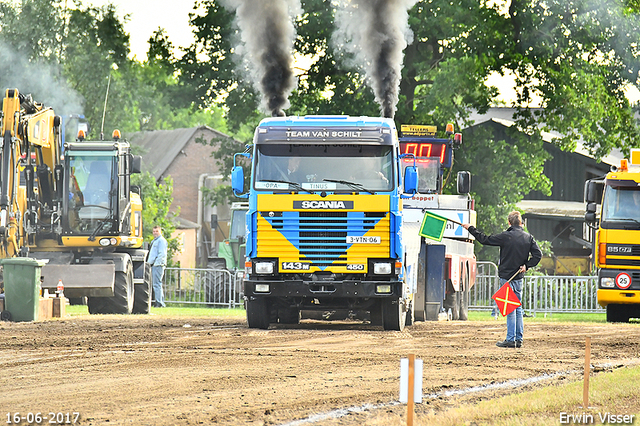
[[344, 205], [323, 134]]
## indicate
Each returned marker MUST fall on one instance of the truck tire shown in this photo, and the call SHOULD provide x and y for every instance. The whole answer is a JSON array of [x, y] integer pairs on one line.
[[258, 313], [393, 315], [142, 296], [410, 314], [451, 303], [289, 316], [617, 313], [464, 294], [122, 300], [216, 288], [375, 314]]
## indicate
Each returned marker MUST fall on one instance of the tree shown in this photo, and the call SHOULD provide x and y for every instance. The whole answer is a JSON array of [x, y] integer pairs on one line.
[[576, 55], [156, 199]]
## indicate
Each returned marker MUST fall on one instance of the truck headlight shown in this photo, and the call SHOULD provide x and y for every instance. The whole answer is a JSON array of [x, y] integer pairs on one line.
[[263, 268], [262, 288], [607, 282], [383, 288], [382, 268]]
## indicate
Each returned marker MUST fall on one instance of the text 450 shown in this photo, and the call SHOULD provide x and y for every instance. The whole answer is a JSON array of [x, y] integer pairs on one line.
[[39, 418]]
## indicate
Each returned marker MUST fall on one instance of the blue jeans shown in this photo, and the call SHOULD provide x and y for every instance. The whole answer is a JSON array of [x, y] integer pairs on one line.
[[515, 326], [157, 273]]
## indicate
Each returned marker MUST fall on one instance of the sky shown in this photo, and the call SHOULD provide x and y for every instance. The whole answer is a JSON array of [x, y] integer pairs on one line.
[[147, 15]]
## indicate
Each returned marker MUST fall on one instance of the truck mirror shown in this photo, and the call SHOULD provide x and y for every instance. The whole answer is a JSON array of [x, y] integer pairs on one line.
[[590, 191], [590, 217], [591, 207], [237, 180], [136, 164], [411, 180], [464, 182]]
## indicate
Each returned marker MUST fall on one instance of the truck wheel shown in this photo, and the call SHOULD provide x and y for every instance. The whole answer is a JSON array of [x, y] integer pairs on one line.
[[122, 300], [617, 313], [451, 302], [393, 315], [375, 314], [289, 316], [463, 305], [258, 313], [216, 288], [410, 314], [142, 297]]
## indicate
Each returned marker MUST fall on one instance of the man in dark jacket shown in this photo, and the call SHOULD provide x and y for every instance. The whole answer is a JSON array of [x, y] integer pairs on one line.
[[518, 253]]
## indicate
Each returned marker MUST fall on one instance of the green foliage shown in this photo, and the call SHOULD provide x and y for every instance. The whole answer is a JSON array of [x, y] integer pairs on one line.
[[574, 57], [156, 200], [502, 174], [224, 149]]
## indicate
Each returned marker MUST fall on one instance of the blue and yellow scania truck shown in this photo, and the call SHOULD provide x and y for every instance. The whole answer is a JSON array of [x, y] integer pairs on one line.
[[325, 229]]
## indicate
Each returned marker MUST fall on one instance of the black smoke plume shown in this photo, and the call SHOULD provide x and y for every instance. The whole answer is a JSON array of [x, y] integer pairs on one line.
[[267, 33], [376, 33]]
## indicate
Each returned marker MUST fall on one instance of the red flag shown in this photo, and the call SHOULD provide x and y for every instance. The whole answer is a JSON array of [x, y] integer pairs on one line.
[[506, 299]]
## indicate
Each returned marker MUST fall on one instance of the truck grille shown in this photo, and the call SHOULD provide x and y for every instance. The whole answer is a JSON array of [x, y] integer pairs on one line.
[[628, 259]]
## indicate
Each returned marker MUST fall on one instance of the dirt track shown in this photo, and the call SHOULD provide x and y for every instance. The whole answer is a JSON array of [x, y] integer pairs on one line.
[[155, 370]]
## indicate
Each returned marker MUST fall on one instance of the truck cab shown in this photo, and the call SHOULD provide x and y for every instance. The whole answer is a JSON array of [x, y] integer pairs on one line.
[[617, 237], [324, 223]]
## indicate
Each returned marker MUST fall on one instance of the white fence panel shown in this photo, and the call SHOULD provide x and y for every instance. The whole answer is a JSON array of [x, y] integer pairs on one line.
[[211, 287], [541, 294]]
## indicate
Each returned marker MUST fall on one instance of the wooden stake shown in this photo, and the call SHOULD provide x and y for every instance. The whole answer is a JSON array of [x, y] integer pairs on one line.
[[587, 371], [410, 397]]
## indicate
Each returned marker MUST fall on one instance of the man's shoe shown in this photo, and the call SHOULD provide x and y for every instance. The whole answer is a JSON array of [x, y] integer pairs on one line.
[[518, 343], [506, 344]]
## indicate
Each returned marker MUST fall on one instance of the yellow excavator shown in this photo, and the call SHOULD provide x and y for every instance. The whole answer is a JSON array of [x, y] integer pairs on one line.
[[74, 208]]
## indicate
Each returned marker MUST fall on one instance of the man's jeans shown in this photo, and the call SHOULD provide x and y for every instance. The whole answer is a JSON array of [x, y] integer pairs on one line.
[[515, 326], [157, 272]]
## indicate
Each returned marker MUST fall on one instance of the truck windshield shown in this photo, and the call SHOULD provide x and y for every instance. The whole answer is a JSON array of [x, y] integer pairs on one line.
[[90, 195], [621, 203], [428, 173], [366, 166]]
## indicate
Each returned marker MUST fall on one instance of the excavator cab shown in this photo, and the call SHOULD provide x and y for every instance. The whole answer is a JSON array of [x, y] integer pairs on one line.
[[96, 202]]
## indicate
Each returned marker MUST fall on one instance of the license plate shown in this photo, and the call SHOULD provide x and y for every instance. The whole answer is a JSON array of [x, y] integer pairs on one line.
[[362, 240]]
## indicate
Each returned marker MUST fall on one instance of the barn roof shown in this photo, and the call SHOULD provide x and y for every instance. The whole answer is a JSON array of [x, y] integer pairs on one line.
[[160, 147], [504, 117]]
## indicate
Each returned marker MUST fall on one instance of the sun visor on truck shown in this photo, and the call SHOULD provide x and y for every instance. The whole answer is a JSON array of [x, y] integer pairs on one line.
[[327, 135]]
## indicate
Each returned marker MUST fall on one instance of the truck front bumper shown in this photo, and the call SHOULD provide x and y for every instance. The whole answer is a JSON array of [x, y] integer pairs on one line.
[[333, 289], [618, 294]]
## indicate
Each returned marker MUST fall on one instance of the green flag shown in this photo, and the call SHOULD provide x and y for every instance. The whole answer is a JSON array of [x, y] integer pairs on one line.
[[433, 226]]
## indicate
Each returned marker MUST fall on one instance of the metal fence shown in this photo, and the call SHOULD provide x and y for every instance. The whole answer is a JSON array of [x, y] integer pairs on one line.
[[211, 287], [541, 294]]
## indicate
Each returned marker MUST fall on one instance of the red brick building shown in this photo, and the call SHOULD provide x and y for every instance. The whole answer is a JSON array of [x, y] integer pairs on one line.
[[178, 154]]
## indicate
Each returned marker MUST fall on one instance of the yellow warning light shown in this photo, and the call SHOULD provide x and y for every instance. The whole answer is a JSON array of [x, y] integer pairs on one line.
[[449, 128], [624, 165], [81, 135], [116, 135]]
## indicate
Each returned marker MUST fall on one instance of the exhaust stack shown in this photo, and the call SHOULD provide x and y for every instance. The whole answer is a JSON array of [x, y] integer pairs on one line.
[[267, 33]]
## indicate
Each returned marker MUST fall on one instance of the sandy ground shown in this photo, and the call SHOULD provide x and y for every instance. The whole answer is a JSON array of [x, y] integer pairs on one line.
[[156, 370]]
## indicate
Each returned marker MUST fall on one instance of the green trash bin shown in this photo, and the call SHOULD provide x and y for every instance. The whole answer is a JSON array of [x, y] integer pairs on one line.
[[22, 287]]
